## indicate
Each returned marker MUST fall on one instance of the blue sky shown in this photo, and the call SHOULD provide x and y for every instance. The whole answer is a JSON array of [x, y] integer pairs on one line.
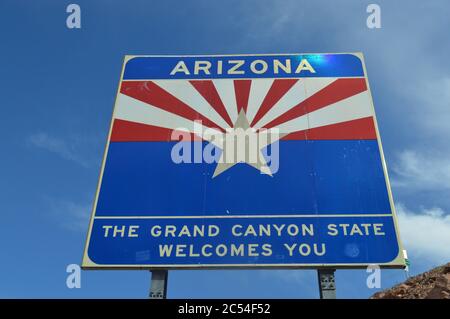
[[57, 91]]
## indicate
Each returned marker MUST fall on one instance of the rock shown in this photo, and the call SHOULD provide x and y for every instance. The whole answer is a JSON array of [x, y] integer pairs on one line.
[[435, 293], [433, 284]]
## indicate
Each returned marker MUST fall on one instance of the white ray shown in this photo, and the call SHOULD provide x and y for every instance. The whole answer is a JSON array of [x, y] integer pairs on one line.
[[258, 91], [314, 85], [186, 93], [225, 88], [356, 107], [133, 110], [293, 97], [352, 108], [297, 94]]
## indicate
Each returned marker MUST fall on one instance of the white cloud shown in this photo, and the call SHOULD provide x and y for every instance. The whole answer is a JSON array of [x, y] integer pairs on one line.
[[421, 171], [69, 214], [70, 149], [425, 235]]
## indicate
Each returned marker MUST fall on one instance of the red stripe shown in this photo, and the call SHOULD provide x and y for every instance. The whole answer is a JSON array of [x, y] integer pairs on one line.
[[149, 92], [242, 90], [126, 131], [207, 89], [360, 129], [335, 92], [276, 92]]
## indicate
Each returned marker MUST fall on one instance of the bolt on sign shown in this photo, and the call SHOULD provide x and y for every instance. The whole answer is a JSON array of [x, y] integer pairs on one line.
[[243, 161]]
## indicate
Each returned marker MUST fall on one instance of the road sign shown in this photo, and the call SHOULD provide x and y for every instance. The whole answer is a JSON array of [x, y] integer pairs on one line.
[[243, 161]]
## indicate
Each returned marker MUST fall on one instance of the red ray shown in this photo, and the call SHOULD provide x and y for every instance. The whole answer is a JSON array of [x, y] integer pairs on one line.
[[335, 92], [149, 92], [242, 90], [360, 129], [207, 89], [276, 92], [126, 131]]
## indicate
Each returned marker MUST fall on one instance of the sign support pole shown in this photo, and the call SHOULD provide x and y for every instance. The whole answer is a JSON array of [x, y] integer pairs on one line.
[[327, 286], [158, 286]]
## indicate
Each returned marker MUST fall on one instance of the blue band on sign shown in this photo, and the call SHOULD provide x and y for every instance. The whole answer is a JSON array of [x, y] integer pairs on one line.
[[238, 67], [220, 241]]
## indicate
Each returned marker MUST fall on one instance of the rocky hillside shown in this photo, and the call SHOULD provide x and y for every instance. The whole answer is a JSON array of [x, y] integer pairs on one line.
[[433, 284]]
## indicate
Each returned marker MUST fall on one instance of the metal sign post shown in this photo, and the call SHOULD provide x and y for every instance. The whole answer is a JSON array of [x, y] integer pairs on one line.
[[327, 285], [158, 286]]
